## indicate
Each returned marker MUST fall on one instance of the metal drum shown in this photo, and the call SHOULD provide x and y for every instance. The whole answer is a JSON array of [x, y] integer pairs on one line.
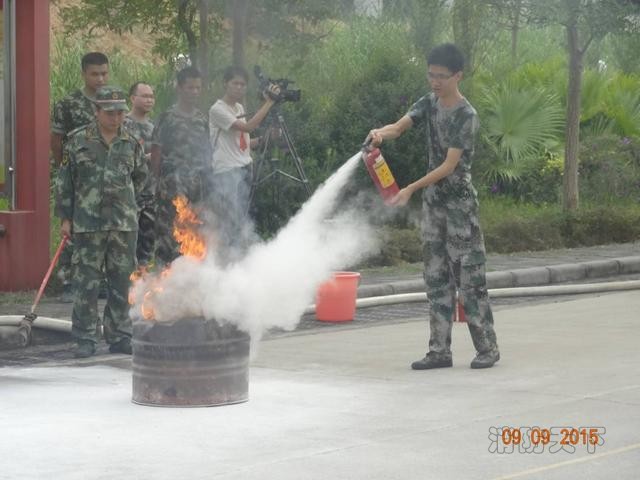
[[189, 363]]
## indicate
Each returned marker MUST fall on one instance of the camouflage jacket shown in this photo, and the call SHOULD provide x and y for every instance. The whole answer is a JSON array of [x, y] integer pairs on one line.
[[185, 158], [73, 111], [143, 131], [445, 128], [102, 187]]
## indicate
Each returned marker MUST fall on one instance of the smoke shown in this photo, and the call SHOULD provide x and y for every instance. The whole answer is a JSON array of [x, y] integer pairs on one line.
[[274, 282]]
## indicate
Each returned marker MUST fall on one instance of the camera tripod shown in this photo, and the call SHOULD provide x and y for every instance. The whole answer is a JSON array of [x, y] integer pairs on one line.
[[275, 121]]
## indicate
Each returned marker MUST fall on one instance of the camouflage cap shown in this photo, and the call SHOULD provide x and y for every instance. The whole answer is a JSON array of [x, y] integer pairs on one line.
[[110, 98]]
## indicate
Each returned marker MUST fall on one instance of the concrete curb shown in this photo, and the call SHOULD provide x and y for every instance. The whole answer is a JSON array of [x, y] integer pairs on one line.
[[524, 277]]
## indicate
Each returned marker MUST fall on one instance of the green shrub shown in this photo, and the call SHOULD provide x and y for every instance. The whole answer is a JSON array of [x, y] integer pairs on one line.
[[540, 181], [364, 75], [399, 245], [610, 169], [510, 226], [518, 125], [601, 225]]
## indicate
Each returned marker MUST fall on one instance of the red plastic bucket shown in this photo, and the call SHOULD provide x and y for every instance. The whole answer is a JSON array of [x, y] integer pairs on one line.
[[336, 298]]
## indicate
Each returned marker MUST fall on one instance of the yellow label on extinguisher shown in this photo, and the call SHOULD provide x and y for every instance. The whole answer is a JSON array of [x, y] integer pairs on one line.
[[384, 173]]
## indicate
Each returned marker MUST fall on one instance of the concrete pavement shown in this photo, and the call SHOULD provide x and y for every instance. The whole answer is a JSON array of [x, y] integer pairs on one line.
[[343, 404]]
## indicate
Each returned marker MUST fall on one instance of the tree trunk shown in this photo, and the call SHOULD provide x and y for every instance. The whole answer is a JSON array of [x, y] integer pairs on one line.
[[570, 181], [239, 27], [515, 28], [184, 24], [203, 9], [514, 45], [463, 30]]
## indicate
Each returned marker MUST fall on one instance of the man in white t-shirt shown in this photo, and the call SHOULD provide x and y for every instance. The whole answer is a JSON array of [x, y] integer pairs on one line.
[[232, 161]]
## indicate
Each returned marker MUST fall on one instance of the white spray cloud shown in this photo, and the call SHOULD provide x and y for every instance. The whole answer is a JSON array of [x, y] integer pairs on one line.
[[273, 284]]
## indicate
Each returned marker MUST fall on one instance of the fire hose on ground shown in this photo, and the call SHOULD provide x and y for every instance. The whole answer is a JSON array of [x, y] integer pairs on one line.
[[59, 325]]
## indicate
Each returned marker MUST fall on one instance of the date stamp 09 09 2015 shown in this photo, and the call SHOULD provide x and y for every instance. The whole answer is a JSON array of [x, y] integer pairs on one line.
[[504, 440]]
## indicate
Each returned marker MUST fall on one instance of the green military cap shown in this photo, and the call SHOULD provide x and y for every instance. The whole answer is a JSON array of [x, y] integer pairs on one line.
[[110, 98]]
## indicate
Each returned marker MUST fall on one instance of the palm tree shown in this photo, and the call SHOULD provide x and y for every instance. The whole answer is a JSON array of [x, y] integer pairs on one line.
[[518, 126]]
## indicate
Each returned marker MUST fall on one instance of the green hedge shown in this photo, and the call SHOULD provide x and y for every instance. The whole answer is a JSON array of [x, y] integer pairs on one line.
[[509, 227]]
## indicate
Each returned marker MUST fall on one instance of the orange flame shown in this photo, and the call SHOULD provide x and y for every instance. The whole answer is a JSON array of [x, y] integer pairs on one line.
[[135, 277], [192, 244], [146, 304], [185, 231]]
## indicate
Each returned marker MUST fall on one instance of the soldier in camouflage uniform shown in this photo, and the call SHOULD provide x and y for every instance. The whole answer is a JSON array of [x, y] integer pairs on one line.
[[137, 122], [74, 111], [454, 253], [180, 157], [100, 189]]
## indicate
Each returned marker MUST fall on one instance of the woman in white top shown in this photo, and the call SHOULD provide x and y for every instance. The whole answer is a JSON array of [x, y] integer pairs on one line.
[[231, 145]]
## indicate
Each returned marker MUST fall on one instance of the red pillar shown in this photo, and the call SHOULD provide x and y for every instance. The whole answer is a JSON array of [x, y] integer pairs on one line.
[[24, 247]]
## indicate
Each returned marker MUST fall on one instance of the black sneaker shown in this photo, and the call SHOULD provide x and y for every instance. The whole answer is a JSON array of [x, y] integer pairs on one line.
[[433, 360], [485, 360], [85, 350], [123, 346], [67, 293]]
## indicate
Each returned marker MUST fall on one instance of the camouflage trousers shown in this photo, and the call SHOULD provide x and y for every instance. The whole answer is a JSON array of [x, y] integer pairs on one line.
[[116, 252], [64, 262], [454, 259], [166, 245], [229, 200], [146, 235]]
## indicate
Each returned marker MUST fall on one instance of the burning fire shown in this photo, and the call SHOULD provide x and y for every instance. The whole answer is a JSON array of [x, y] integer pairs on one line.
[[147, 286], [185, 230]]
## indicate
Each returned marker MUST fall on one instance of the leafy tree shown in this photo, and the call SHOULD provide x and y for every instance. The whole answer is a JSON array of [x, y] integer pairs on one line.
[[473, 31], [427, 19], [511, 15], [194, 26], [624, 52], [584, 21], [177, 25]]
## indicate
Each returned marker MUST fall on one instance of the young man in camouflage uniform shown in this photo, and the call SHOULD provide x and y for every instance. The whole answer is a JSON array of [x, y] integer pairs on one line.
[[137, 122], [74, 111], [454, 251], [101, 187], [180, 158]]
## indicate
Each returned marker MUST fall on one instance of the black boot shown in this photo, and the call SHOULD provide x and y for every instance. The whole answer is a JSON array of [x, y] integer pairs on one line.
[[85, 349], [486, 359], [122, 346], [433, 360]]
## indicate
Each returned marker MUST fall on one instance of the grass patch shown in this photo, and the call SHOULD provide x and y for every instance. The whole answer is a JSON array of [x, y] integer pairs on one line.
[[392, 270], [17, 298]]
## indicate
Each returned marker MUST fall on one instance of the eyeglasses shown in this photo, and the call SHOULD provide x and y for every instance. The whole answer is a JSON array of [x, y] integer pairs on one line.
[[439, 77]]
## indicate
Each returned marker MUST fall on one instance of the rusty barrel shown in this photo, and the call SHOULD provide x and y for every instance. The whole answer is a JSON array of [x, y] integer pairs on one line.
[[189, 363]]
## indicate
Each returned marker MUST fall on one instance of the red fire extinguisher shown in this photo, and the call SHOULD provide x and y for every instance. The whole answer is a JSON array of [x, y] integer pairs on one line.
[[380, 173]]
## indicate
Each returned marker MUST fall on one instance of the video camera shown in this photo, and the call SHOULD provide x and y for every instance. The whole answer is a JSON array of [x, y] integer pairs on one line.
[[286, 94]]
